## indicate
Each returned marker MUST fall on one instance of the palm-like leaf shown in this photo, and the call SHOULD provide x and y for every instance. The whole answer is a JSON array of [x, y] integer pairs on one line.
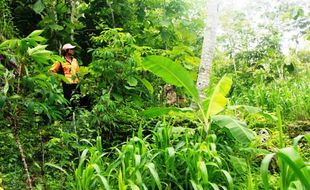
[[218, 101], [171, 73], [237, 128]]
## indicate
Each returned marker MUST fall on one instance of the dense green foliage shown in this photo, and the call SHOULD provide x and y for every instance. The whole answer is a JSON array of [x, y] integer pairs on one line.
[[135, 56]]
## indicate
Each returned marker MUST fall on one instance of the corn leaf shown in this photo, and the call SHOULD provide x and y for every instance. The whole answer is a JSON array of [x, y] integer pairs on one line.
[[103, 181], [57, 167], [292, 158], [264, 170], [154, 173], [203, 171], [228, 178]]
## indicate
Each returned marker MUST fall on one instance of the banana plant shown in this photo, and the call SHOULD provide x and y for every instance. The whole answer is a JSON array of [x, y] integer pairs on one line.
[[175, 74]]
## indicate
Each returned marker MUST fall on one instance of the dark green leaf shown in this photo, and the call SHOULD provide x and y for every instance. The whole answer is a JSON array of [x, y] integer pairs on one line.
[[237, 128]]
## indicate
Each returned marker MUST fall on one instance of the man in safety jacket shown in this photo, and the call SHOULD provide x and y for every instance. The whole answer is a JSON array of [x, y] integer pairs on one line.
[[69, 69]]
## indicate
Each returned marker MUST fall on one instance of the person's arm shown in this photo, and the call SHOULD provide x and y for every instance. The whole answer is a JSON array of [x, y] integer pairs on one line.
[[55, 67]]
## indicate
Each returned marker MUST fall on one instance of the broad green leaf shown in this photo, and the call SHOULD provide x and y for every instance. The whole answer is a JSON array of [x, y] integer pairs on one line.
[[41, 57], [39, 54], [171, 73], [56, 27], [38, 38], [83, 71], [38, 7], [237, 128], [36, 49], [35, 33], [132, 81], [218, 101], [9, 44], [148, 85]]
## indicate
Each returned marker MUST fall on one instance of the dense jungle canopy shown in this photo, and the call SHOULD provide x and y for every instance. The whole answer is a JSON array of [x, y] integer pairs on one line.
[[166, 94]]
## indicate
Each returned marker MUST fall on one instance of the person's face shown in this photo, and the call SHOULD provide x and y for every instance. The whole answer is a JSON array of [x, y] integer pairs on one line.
[[71, 51]]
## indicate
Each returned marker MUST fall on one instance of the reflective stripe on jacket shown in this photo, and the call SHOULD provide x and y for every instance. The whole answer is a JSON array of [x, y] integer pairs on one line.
[[70, 70]]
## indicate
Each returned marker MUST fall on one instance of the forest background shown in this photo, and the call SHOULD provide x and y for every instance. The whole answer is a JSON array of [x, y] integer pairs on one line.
[[144, 126]]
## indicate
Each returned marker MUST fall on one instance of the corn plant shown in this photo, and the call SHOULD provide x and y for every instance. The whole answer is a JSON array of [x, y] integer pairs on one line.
[[170, 160], [89, 173], [294, 171]]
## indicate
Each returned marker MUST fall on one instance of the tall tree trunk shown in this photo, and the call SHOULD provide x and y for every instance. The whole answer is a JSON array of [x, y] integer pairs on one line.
[[112, 13], [15, 127], [208, 46], [23, 156], [72, 17]]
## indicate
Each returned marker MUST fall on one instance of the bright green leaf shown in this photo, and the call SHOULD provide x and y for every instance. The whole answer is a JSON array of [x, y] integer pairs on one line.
[[171, 73], [38, 7], [132, 81], [218, 101]]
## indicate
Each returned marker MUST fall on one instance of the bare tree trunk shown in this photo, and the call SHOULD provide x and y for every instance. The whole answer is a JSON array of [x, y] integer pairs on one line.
[[112, 13], [208, 46], [72, 17], [15, 127], [21, 151]]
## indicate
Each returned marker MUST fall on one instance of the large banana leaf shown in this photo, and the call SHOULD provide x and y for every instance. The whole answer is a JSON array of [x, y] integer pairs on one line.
[[237, 128], [171, 73], [218, 101]]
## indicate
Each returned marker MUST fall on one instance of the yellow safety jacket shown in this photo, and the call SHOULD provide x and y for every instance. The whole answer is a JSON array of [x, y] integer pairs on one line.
[[69, 68]]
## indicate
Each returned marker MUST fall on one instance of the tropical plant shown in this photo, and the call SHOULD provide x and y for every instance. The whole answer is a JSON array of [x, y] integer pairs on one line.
[[25, 89], [7, 30], [177, 75]]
